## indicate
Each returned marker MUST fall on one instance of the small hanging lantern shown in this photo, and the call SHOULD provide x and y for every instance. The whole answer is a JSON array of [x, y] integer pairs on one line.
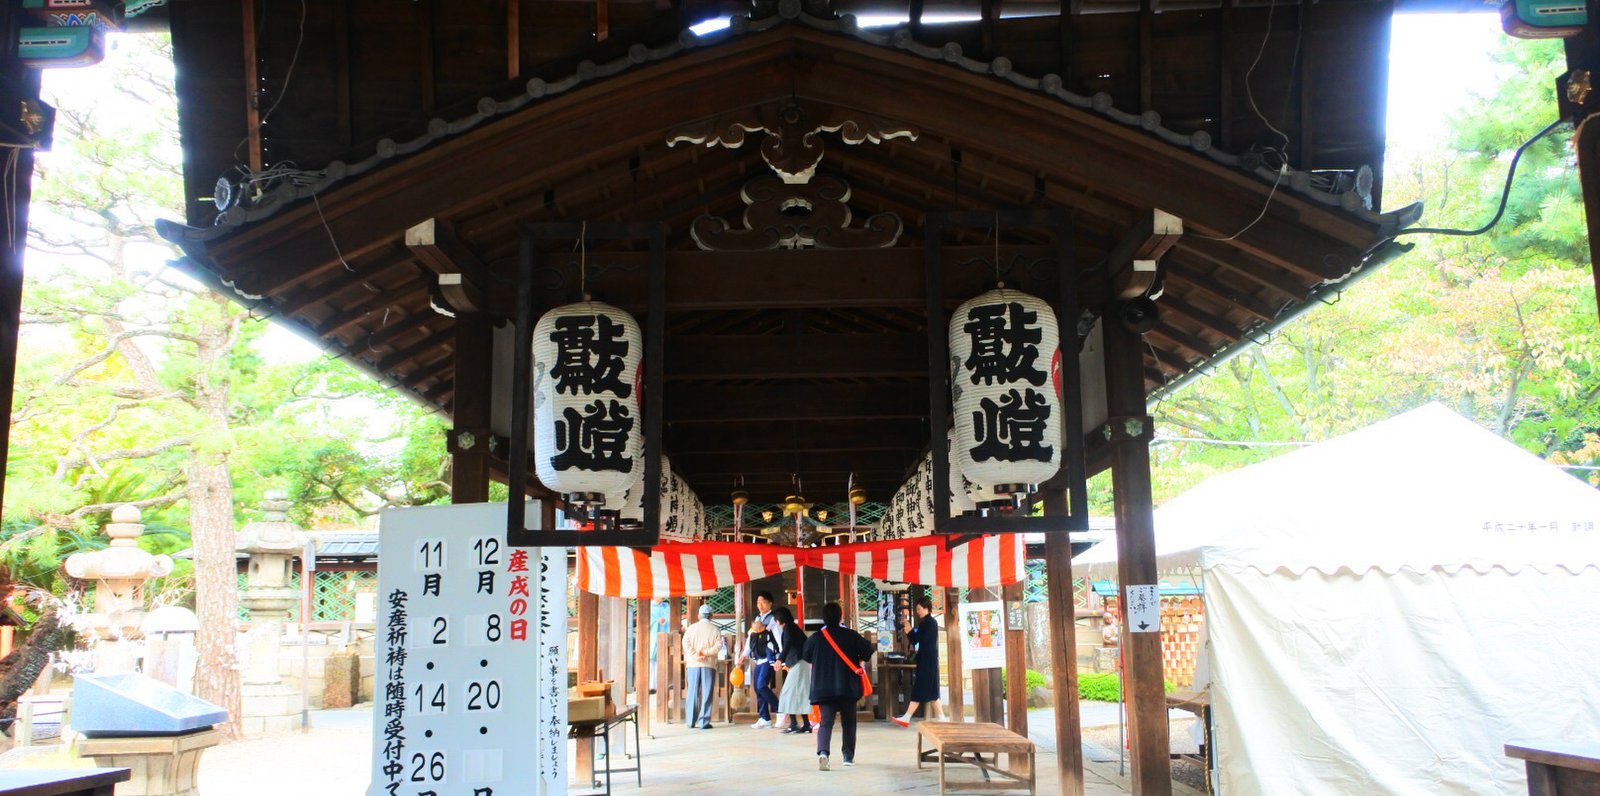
[[957, 485], [1005, 379], [586, 377]]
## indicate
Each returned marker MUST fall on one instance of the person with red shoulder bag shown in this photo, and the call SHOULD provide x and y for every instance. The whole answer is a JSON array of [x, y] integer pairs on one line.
[[838, 658]]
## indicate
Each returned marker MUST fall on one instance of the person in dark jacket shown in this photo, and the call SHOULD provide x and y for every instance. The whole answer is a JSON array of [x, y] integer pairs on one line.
[[835, 686], [925, 686]]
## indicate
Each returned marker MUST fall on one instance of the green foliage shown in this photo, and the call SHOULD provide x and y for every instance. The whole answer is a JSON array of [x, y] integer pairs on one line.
[[1034, 680], [1107, 686], [1498, 327]]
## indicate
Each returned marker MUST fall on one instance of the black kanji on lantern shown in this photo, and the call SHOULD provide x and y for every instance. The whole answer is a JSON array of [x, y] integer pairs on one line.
[[594, 439], [589, 356], [1005, 344], [1012, 430]]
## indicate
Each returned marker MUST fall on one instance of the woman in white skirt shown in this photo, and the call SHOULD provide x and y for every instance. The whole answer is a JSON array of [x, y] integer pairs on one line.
[[795, 698]]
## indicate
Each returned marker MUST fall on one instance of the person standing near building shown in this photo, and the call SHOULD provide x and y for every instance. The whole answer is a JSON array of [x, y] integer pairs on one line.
[[701, 641], [795, 699], [925, 684], [836, 654]]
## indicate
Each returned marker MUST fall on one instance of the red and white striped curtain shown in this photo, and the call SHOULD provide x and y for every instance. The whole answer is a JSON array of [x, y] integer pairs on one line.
[[673, 570]]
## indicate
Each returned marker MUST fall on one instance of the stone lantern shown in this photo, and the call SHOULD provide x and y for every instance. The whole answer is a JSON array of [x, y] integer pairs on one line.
[[119, 572], [271, 543], [269, 705]]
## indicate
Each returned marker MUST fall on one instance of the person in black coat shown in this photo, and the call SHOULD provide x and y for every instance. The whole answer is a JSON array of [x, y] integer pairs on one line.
[[925, 685], [835, 685]]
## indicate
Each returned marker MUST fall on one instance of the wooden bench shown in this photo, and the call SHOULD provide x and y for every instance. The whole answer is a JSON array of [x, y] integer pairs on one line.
[[954, 741]]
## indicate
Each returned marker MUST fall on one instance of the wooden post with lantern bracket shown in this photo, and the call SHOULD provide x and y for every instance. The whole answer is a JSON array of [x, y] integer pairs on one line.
[[528, 306], [1064, 299]]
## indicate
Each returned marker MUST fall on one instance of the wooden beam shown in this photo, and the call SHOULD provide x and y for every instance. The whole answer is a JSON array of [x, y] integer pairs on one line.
[[952, 646], [473, 363], [641, 654], [1083, 149], [341, 38], [1136, 564], [252, 86], [514, 70], [1132, 262], [380, 300], [798, 356], [381, 338], [1218, 254], [1211, 321], [588, 670], [815, 435], [461, 273], [781, 461], [692, 403], [1207, 284], [374, 268], [436, 339]]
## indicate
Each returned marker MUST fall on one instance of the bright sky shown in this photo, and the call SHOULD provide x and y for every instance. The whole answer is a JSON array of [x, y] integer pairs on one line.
[[1422, 94]]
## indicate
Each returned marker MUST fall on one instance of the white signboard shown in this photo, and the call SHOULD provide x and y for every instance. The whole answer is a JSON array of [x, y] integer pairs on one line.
[[471, 657], [983, 635], [1144, 609]]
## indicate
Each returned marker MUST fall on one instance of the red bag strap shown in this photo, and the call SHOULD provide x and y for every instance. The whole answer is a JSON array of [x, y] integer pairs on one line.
[[842, 656]]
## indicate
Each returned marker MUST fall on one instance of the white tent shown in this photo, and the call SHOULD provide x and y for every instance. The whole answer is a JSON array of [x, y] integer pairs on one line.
[[1387, 609]]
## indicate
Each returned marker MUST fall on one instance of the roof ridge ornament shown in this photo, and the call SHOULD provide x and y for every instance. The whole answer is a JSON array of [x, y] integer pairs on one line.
[[793, 149], [783, 215]]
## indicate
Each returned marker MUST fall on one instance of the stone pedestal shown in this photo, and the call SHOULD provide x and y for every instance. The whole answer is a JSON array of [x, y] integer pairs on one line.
[[159, 765], [268, 708], [341, 680]]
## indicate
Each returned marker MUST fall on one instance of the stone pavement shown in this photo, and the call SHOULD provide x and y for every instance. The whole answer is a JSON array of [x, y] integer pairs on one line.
[[737, 759], [333, 760]]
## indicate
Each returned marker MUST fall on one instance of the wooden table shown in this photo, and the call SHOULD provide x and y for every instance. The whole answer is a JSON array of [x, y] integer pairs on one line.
[[952, 741], [601, 728], [61, 782], [1560, 768], [891, 679]]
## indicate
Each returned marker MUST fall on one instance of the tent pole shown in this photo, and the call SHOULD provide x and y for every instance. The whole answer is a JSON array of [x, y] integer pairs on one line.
[[1136, 557]]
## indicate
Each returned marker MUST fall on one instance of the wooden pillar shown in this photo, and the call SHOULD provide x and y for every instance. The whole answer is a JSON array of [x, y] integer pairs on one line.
[[469, 439], [18, 81], [674, 683], [642, 634], [1063, 652], [1587, 143], [952, 645], [1136, 558], [1016, 668], [847, 598], [588, 669]]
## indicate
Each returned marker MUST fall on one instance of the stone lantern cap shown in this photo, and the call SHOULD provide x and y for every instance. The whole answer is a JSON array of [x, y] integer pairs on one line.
[[122, 559], [274, 534]]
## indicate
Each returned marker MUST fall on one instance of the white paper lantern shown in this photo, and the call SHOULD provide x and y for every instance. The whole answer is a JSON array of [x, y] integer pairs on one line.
[[588, 430], [957, 486], [632, 509], [1005, 356]]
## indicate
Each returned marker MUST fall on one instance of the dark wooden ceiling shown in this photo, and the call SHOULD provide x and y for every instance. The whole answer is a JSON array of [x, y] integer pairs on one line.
[[789, 362]]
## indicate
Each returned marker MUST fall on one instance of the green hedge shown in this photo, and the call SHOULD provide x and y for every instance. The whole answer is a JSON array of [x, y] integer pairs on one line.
[[1105, 687], [1034, 679]]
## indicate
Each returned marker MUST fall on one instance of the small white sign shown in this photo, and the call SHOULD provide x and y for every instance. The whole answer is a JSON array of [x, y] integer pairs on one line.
[[1144, 609], [983, 636]]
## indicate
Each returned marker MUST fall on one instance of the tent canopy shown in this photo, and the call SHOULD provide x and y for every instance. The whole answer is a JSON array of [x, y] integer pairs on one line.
[[1426, 489]]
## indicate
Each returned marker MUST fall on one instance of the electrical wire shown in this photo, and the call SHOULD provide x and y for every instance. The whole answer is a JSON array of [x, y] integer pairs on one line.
[[289, 73], [1282, 170], [1505, 195]]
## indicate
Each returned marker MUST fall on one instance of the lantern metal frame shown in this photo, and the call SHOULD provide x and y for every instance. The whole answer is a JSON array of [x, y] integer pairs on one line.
[[528, 305], [1073, 473]]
